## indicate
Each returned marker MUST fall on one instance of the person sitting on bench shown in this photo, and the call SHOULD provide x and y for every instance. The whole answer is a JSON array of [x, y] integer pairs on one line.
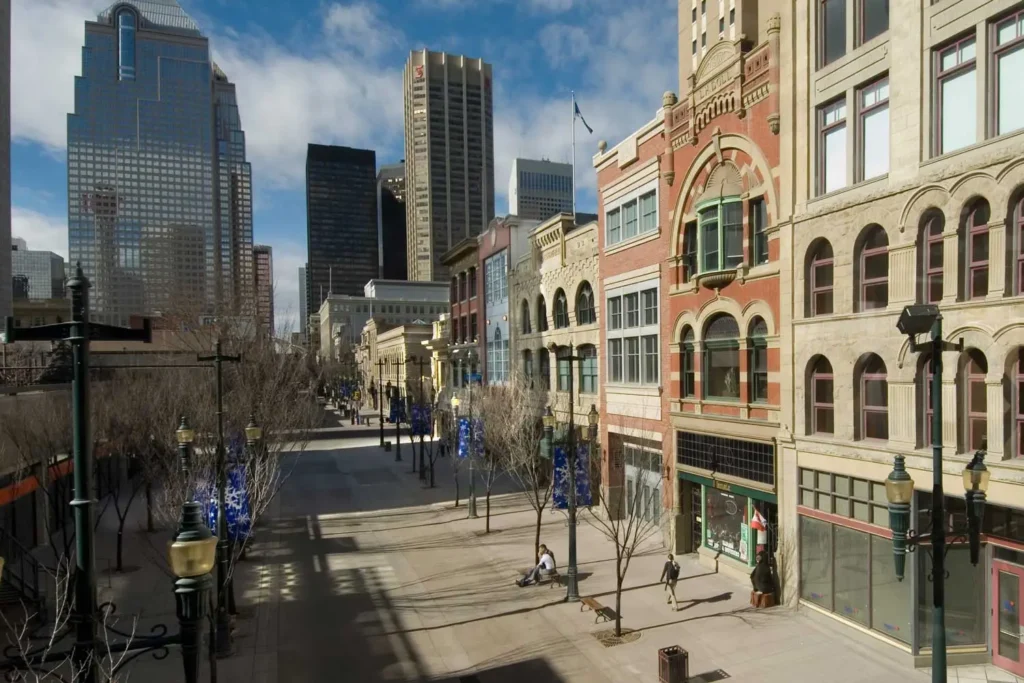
[[761, 577], [545, 566]]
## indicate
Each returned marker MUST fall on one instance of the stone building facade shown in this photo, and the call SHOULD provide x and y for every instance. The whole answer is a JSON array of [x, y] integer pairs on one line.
[[909, 190], [554, 306]]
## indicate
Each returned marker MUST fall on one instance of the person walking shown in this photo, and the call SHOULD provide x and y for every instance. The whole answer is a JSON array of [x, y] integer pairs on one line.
[[670, 575], [545, 566]]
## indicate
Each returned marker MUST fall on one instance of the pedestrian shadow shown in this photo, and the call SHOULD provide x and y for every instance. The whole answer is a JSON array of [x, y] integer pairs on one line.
[[651, 585], [736, 613], [509, 613], [721, 597]]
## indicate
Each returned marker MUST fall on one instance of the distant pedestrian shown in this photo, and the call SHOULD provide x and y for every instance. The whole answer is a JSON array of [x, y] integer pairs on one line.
[[670, 575], [545, 566]]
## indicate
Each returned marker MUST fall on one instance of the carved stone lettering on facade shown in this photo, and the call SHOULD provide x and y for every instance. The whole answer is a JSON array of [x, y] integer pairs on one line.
[[711, 87]]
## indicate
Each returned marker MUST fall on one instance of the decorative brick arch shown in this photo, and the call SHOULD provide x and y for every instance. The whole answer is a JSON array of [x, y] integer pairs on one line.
[[977, 185], [924, 199], [758, 309], [713, 307], [682, 320], [748, 159]]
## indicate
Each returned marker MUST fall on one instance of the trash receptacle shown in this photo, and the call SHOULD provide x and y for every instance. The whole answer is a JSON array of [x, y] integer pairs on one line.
[[387, 446], [673, 665]]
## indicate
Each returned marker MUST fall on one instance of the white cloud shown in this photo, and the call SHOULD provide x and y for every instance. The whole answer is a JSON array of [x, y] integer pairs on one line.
[[564, 43], [361, 27], [40, 232], [288, 257]]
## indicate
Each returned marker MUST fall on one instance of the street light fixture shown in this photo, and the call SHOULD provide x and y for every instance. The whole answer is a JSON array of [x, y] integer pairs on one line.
[[899, 486], [253, 432]]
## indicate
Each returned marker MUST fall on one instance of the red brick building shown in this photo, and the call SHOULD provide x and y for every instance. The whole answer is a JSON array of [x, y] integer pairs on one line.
[[462, 260], [689, 277]]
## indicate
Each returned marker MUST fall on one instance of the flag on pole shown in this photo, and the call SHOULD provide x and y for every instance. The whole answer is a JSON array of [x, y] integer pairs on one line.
[[579, 115]]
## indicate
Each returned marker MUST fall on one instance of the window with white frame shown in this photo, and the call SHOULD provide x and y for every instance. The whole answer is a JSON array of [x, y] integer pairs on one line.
[[632, 215], [720, 234], [956, 118], [832, 146], [496, 278], [873, 103], [633, 335], [1008, 57]]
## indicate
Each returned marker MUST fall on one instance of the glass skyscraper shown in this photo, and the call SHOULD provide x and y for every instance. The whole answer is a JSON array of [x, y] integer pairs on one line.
[[159, 191]]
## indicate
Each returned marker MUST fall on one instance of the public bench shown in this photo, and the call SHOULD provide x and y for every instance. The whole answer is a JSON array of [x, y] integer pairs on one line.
[[599, 610]]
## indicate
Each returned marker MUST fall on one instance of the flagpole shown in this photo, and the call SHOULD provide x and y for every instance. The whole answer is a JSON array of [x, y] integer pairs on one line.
[[573, 92]]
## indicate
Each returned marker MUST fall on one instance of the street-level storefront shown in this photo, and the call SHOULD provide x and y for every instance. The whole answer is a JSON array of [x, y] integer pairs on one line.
[[847, 570], [728, 502]]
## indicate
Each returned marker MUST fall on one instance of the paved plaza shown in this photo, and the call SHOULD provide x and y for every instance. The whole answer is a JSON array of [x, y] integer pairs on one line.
[[361, 574]]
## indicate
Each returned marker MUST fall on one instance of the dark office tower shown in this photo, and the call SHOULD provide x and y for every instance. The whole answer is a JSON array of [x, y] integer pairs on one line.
[[391, 182], [263, 284], [5, 162], [341, 220], [159, 191], [449, 156]]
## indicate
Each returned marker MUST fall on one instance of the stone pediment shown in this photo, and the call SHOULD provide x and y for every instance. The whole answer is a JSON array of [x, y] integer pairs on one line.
[[720, 53]]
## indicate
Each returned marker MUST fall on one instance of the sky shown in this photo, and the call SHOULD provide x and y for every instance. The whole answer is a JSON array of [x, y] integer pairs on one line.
[[331, 73]]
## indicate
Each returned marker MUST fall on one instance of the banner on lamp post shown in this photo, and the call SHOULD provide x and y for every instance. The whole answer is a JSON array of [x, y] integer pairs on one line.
[[421, 420], [478, 437], [560, 489]]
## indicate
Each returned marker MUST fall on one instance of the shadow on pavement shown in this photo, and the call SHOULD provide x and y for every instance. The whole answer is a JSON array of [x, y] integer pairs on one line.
[[532, 670]]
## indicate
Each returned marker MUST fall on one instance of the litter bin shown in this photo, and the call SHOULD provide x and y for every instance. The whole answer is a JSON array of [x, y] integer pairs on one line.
[[673, 665], [387, 446]]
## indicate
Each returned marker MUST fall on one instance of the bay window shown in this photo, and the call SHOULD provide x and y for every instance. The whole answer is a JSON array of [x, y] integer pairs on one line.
[[1009, 60], [956, 81], [720, 235], [633, 341]]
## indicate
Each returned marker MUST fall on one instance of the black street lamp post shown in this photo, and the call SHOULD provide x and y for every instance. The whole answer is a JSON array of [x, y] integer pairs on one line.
[[899, 487], [380, 397], [423, 422], [398, 412], [222, 635]]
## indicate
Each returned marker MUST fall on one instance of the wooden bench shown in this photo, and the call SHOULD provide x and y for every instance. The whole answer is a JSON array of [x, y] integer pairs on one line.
[[599, 610], [762, 600], [552, 579]]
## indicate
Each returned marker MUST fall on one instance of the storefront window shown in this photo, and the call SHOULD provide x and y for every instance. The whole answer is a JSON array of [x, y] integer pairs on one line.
[[966, 610], [890, 598], [851, 574], [816, 561], [727, 523]]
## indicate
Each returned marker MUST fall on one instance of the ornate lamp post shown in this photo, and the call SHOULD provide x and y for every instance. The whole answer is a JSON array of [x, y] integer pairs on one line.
[[471, 501], [899, 487], [380, 397]]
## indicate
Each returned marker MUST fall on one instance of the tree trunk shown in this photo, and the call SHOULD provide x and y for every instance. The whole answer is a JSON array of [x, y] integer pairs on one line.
[[120, 544], [431, 472], [487, 524], [456, 488], [149, 508], [536, 537], [618, 608]]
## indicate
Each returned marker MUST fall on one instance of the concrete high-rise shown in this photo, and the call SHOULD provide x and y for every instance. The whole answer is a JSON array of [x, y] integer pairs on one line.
[[159, 189], [5, 162], [449, 156], [37, 275], [263, 286], [341, 218], [537, 190], [391, 207]]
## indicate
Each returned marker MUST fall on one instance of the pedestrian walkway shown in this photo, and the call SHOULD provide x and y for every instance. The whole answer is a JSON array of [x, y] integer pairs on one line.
[[361, 573]]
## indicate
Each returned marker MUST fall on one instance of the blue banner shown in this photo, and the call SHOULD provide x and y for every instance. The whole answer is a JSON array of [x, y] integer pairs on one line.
[[421, 422], [238, 519], [560, 489], [478, 437], [397, 410]]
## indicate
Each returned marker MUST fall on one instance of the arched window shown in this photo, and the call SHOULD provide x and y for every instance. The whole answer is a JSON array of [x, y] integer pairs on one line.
[[689, 375], [524, 315], [874, 399], [925, 376], [564, 367], [819, 280], [471, 280], [722, 358], [930, 257], [873, 270], [588, 368], [542, 315], [561, 310], [544, 364], [528, 364], [1017, 380], [126, 45], [974, 247], [757, 365], [823, 407], [1015, 271], [585, 305], [973, 400]]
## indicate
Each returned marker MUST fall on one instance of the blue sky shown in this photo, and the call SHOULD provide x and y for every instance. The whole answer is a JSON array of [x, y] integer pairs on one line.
[[331, 72]]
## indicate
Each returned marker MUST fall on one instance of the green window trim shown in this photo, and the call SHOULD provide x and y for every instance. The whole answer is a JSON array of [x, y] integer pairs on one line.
[[719, 234]]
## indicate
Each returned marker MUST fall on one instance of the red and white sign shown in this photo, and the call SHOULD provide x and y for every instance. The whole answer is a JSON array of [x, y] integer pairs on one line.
[[419, 72]]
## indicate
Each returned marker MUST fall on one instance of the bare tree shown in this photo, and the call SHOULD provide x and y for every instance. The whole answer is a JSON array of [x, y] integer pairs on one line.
[[518, 428], [628, 523], [493, 401]]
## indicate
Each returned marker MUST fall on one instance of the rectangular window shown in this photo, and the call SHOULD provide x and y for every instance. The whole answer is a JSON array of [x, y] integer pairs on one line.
[[874, 129], [832, 147], [648, 212], [613, 219], [759, 374], [650, 304], [732, 17], [758, 226], [632, 310], [650, 360], [615, 313], [703, 40], [1009, 60], [689, 371], [874, 19], [632, 360], [629, 220], [732, 233], [831, 31], [588, 371], [615, 360], [689, 250], [693, 14], [722, 365], [721, 26], [709, 239], [816, 561], [956, 81], [694, 46], [564, 370]]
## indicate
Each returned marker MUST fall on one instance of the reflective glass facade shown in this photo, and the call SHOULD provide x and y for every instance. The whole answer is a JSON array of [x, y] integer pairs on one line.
[[37, 275], [159, 192]]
